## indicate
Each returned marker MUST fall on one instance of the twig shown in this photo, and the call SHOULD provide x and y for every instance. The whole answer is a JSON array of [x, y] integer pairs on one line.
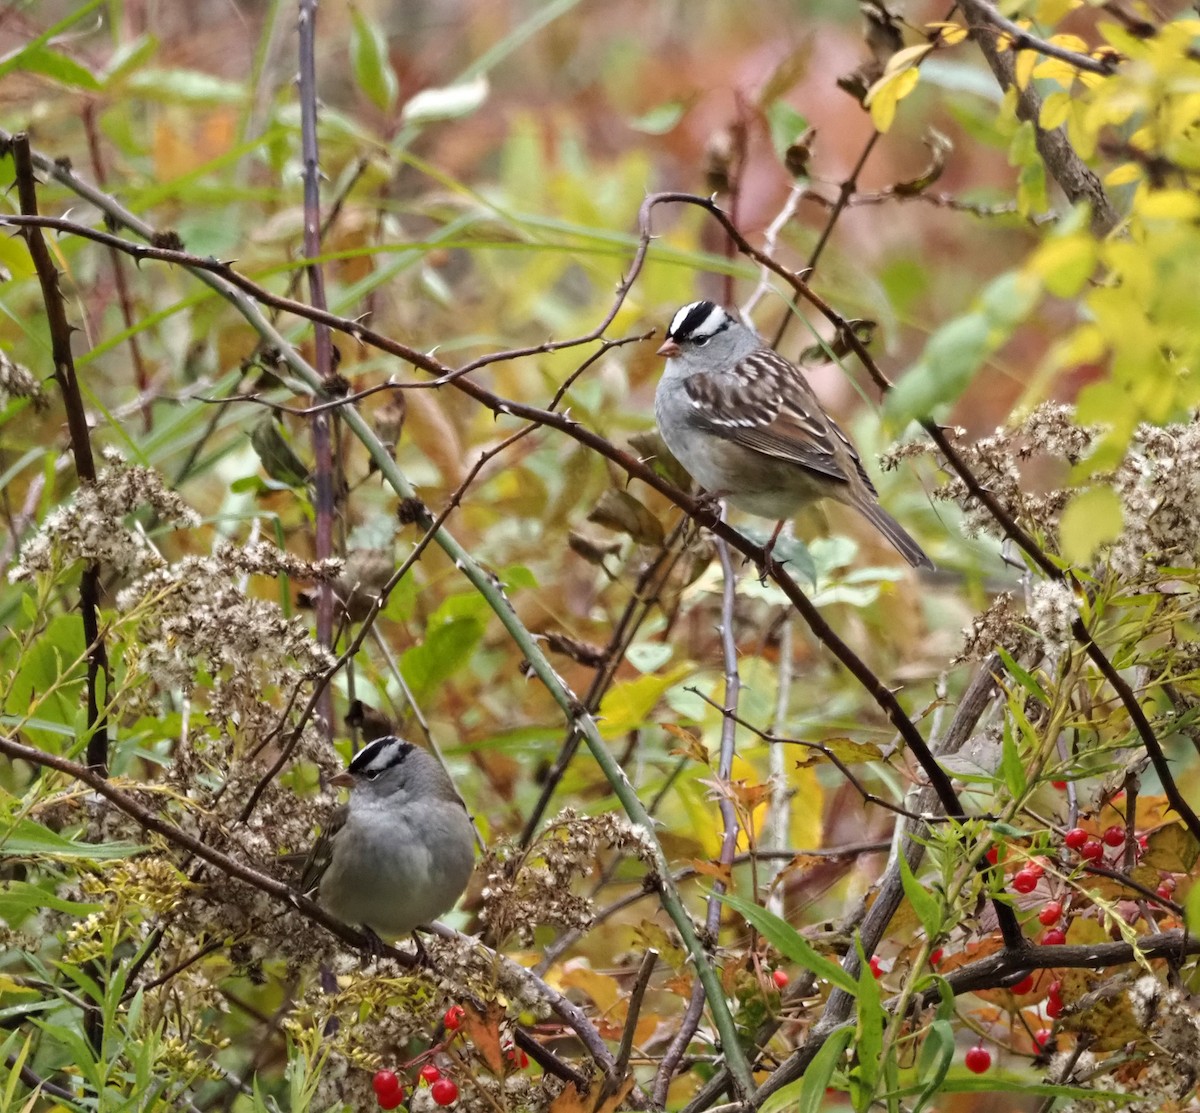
[[1076, 179], [636, 995], [1019, 38], [322, 434], [729, 819], [81, 443]]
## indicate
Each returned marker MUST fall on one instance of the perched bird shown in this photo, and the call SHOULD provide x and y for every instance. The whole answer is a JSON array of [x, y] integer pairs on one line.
[[748, 427], [400, 853]]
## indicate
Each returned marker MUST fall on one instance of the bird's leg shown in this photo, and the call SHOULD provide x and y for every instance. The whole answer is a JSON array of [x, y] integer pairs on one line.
[[770, 545], [373, 949], [768, 549]]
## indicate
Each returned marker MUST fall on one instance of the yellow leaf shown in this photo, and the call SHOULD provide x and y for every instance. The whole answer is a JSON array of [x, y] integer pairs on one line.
[[1064, 264], [1167, 204], [1069, 42], [1054, 110], [907, 57], [949, 33], [1091, 518], [1124, 174], [886, 93], [627, 705], [603, 989], [1054, 69], [1026, 61], [844, 749]]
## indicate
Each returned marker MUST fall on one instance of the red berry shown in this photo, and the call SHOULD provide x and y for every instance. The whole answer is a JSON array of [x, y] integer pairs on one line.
[[1041, 1037], [780, 978], [1024, 881], [444, 1091], [1060, 785], [1034, 867], [876, 968], [993, 855], [978, 1059], [1050, 914], [1114, 836], [935, 956], [1054, 989], [1092, 850], [517, 1058], [430, 1073], [1023, 986], [454, 1018], [1143, 842], [1164, 892], [1053, 938], [1075, 838], [1168, 883], [1054, 1008], [388, 1091]]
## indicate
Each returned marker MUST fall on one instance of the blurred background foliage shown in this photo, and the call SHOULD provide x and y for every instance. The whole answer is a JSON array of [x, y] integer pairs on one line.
[[484, 163]]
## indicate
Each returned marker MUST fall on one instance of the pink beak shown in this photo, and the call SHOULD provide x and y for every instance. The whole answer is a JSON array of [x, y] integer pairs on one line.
[[342, 780], [669, 349]]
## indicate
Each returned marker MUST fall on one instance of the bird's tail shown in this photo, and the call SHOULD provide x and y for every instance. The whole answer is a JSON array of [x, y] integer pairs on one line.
[[894, 532]]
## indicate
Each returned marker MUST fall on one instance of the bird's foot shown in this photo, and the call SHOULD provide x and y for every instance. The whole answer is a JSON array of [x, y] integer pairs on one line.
[[373, 945]]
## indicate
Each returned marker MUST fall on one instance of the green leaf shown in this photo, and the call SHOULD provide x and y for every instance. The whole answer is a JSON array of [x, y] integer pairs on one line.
[[937, 1054], [447, 648], [1092, 518], [958, 349], [127, 57], [58, 67], [185, 87], [869, 1045], [451, 102], [369, 61], [925, 903], [28, 838], [1022, 675], [660, 119], [19, 898], [1011, 768], [787, 126], [16, 60], [951, 358], [821, 1070], [790, 943]]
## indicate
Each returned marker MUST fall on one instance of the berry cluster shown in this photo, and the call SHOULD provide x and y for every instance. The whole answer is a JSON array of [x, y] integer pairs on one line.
[[389, 1089]]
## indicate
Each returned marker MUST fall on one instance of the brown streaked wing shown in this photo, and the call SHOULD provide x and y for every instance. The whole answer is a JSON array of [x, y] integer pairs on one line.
[[768, 406]]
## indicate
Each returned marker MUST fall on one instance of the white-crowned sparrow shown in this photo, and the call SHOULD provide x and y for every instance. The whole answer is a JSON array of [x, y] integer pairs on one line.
[[400, 853], [748, 427]]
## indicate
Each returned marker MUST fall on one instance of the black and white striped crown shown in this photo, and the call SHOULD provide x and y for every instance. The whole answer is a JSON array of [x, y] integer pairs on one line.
[[380, 756]]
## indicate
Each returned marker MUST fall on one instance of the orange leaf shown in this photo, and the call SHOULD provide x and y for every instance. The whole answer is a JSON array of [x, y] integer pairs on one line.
[[716, 870], [483, 1030], [570, 1100]]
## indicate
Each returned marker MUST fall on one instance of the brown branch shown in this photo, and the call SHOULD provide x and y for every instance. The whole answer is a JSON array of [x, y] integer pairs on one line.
[[979, 12], [1075, 178], [81, 442], [321, 430]]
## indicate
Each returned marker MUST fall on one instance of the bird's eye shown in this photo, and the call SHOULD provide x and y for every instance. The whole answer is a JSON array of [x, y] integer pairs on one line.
[[700, 341]]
